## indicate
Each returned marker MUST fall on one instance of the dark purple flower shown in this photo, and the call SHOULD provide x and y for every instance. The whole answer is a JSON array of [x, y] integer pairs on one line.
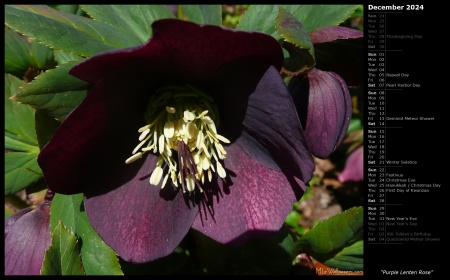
[[324, 107], [354, 167], [218, 135], [27, 236], [322, 97]]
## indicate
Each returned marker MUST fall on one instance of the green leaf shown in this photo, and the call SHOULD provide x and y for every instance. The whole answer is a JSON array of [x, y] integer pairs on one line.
[[355, 124], [41, 56], [262, 17], [67, 32], [98, 258], [17, 144], [65, 208], [54, 91], [349, 259], [21, 170], [20, 54], [337, 241], [21, 167], [63, 57], [292, 31], [19, 118], [71, 9], [17, 53], [212, 14], [202, 14], [292, 220], [135, 20], [63, 255], [297, 43]]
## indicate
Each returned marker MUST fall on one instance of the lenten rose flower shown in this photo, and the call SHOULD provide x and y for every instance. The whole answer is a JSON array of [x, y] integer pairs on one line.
[[321, 96], [27, 237], [194, 129]]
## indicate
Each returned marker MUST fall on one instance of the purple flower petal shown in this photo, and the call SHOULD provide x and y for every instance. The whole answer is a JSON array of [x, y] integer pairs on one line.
[[185, 51], [268, 164], [26, 240], [140, 221], [325, 109], [13, 218], [94, 141], [253, 203], [272, 130], [354, 167]]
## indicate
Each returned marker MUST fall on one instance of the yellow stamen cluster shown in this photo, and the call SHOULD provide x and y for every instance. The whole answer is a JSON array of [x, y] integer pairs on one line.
[[182, 119]]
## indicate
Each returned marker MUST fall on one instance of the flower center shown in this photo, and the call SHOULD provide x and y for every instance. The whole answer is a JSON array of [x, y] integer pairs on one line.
[[182, 119]]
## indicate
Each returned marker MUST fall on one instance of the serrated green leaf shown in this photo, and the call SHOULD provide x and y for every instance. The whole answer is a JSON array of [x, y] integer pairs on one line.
[[21, 168], [296, 41], [60, 104], [65, 208], [41, 56], [262, 17], [336, 241], [64, 57], [259, 18], [135, 20], [67, 32], [54, 91], [17, 53], [98, 258], [292, 30], [349, 259], [202, 14], [53, 81], [63, 256]]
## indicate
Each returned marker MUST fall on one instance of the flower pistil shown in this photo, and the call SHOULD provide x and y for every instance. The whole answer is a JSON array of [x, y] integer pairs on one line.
[[182, 119]]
